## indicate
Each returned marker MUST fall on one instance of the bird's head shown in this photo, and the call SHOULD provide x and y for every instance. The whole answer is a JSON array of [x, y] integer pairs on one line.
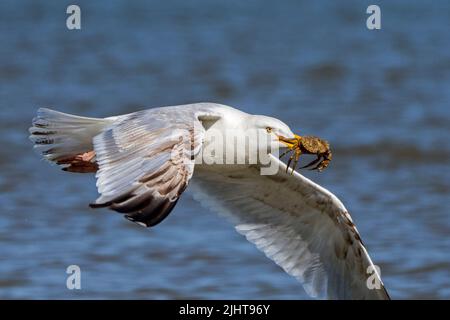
[[277, 131], [280, 136]]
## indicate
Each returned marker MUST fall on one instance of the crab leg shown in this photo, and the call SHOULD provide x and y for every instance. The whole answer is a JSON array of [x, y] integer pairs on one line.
[[297, 156], [318, 167], [289, 162], [284, 153], [311, 163]]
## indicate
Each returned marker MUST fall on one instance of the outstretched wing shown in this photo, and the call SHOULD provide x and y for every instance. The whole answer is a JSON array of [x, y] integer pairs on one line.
[[145, 161], [301, 226]]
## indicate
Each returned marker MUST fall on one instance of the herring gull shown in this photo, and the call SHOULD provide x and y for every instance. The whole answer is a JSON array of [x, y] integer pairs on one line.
[[144, 160]]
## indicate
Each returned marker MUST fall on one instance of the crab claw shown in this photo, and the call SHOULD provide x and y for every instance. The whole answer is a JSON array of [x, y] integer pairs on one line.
[[322, 165]]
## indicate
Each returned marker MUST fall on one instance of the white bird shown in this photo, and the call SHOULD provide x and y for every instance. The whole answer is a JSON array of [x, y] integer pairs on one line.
[[145, 160]]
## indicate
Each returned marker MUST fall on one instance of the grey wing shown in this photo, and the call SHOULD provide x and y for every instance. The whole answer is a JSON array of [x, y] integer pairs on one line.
[[146, 160], [301, 226]]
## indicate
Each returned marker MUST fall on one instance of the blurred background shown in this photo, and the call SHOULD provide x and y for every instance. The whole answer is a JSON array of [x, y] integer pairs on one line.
[[382, 99]]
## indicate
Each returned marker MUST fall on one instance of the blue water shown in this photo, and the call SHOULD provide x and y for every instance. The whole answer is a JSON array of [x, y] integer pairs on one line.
[[382, 99]]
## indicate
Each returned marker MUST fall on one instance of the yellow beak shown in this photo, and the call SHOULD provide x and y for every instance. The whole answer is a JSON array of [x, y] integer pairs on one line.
[[290, 143]]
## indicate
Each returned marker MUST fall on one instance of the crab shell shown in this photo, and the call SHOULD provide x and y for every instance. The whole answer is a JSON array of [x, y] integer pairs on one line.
[[314, 145]]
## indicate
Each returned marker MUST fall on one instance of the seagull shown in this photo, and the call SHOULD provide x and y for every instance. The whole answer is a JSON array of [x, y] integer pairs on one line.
[[143, 162]]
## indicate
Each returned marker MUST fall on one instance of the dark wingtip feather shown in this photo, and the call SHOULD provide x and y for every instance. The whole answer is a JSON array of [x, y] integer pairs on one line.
[[153, 217], [142, 224], [99, 205]]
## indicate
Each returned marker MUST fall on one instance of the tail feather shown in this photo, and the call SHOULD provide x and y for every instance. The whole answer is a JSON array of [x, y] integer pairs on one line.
[[60, 136]]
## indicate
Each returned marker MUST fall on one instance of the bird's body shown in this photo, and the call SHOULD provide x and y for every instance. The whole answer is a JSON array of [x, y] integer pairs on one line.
[[145, 160]]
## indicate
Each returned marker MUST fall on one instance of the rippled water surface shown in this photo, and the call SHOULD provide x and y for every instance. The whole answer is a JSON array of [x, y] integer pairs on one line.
[[382, 98]]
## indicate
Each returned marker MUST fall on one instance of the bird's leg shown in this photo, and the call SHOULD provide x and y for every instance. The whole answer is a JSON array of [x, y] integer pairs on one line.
[[83, 162], [311, 163]]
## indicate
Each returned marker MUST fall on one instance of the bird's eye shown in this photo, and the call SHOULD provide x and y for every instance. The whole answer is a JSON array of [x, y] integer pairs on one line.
[[269, 129]]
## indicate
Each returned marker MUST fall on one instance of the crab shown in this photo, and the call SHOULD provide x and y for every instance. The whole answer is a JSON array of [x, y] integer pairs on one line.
[[308, 145]]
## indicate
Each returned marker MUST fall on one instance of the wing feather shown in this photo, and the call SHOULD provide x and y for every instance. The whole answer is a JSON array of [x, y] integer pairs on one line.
[[145, 162], [301, 226]]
